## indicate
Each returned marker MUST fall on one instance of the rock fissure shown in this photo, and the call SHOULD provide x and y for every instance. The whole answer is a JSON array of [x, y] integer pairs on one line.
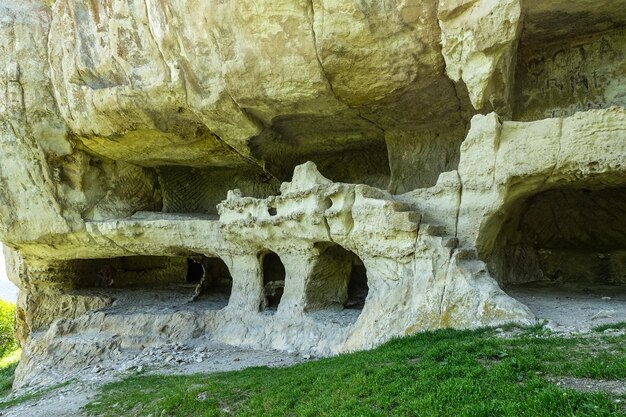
[[311, 7], [156, 42]]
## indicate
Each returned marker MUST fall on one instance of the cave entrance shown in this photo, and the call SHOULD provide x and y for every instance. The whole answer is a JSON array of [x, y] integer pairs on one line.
[[211, 276], [195, 271], [357, 286], [198, 276], [129, 272], [337, 281], [565, 244], [273, 280]]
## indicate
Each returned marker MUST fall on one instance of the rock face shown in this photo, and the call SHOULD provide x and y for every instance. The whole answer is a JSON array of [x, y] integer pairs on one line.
[[334, 172]]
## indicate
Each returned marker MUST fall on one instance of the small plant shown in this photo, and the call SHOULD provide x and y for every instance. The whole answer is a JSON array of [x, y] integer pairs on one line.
[[611, 326]]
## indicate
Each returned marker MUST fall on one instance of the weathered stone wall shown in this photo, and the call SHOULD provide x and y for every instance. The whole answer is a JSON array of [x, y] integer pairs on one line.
[[565, 76], [446, 148]]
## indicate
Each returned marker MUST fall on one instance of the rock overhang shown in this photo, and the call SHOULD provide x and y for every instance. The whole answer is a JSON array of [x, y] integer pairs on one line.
[[433, 128]]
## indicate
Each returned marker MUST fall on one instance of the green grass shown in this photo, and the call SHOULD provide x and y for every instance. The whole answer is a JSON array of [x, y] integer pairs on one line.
[[612, 326], [442, 373], [7, 369], [34, 395], [9, 353]]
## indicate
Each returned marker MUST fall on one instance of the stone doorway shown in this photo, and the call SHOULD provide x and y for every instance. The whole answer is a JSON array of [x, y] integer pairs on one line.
[[215, 277], [273, 280], [338, 280]]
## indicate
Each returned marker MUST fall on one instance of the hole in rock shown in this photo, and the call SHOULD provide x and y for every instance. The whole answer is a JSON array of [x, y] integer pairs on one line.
[[129, 272], [195, 271], [272, 211], [166, 281], [568, 244], [187, 190], [338, 280], [357, 286], [273, 279], [215, 276], [345, 148]]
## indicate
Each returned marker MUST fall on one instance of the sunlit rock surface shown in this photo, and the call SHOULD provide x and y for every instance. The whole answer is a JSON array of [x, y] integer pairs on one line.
[[317, 175]]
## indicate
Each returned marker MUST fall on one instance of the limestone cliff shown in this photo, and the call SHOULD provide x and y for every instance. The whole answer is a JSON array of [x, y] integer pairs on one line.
[[333, 172]]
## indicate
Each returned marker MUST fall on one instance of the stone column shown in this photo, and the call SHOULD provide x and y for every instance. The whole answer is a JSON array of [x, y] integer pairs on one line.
[[247, 273], [299, 263]]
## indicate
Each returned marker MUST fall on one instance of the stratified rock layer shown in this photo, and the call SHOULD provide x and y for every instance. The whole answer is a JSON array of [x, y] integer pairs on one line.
[[436, 152]]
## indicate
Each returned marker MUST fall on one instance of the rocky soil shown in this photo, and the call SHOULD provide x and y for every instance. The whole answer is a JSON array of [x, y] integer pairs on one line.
[[81, 387]]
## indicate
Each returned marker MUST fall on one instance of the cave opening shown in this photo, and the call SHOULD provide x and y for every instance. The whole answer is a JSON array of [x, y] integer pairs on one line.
[[273, 280], [211, 276], [574, 237], [345, 148], [176, 278], [358, 289], [128, 272], [195, 271], [338, 280]]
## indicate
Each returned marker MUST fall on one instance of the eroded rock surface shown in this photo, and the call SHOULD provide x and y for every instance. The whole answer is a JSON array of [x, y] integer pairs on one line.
[[317, 175]]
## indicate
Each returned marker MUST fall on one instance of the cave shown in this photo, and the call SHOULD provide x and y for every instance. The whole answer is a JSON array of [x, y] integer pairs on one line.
[[345, 148], [273, 280], [205, 275], [188, 190], [567, 238], [170, 280], [358, 289], [211, 275], [195, 271], [421, 143], [127, 272], [338, 280]]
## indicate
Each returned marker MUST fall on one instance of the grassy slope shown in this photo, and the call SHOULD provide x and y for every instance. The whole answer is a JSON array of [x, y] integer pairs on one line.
[[7, 317], [7, 369], [9, 355], [443, 373]]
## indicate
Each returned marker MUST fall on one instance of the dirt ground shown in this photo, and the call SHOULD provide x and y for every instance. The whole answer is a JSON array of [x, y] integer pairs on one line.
[[571, 310], [69, 399]]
